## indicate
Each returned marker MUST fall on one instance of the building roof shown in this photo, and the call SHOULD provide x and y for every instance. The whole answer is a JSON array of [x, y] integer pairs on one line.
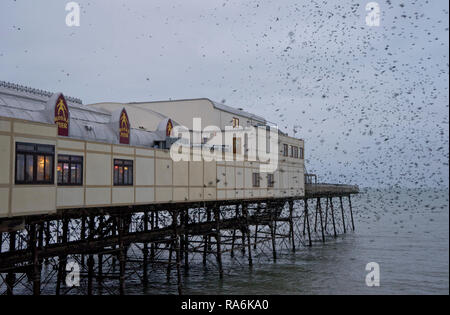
[[238, 111], [86, 123]]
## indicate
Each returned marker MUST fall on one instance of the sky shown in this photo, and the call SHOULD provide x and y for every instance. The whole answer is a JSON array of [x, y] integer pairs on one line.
[[371, 102]]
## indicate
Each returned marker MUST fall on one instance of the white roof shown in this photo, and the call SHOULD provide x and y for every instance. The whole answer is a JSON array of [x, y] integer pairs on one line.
[[86, 123]]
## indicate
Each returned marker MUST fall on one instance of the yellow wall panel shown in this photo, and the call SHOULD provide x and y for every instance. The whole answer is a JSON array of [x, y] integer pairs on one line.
[[180, 173], [163, 194], [195, 193], [98, 196], [145, 171], [98, 147], [4, 202], [28, 200], [144, 195], [196, 173], [5, 126], [98, 169], [5, 152], [70, 196], [209, 176], [68, 144], [210, 193], [122, 195], [163, 172], [31, 129], [180, 194]]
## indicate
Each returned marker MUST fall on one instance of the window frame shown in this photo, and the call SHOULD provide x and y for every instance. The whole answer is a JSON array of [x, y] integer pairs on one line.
[[35, 151], [70, 163], [294, 152], [235, 122], [123, 163], [285, 149], [256, 180], [301, 153], [270, 180]]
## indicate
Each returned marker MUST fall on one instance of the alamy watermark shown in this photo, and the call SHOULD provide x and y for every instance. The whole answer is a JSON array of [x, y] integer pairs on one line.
[[73, 274], [234, 143], [373, 16], [73, 17], [373, 277]]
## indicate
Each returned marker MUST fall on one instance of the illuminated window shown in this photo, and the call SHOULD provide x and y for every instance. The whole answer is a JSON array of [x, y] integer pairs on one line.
[[256, 180], [235, 122], [34, 164], [123, 172], [70, 170]]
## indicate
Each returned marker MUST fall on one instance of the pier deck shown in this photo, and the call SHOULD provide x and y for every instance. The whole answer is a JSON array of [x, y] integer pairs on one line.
[[329, 190], [169, 235]]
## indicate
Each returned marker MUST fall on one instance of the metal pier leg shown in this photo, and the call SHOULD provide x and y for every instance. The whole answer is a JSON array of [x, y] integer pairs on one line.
[[11, 276], [122, 255], [218, 240], [152, 245], [249, 245], [233, 239], [100, 256], [315, 220], [304, 220], [319, 207], [206, 237], [351, 211], [90, 261], [177, 247], [36, 267], [83, 235], [256, 226], [243, 241], [332, 215], [307, 222], [326, 214], [273, 232], [62, 259], [48, 237], [186, 242], [169, 263], [145, 252], [342, 213], [291, 224]]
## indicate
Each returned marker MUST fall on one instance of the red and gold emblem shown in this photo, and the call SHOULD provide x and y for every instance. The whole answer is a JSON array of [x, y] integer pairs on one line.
[[124, 127], [62, 116], [169, 128]]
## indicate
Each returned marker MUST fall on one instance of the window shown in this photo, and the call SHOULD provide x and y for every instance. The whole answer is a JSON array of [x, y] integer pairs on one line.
[[302, 154], [256, 180], [294, 152], [235, 122], [70, 170], [285, 150], [123, 172], [270, 180], [236, 145], [34, 163]]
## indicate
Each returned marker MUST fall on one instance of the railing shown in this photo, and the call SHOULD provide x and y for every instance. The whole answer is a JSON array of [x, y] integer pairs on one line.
[[330, 189]]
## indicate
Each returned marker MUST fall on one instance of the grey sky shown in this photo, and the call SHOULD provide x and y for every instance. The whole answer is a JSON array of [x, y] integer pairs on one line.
[[371, 102]]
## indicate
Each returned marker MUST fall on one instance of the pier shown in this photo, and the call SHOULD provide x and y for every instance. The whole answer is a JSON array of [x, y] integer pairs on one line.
[[114, 244]]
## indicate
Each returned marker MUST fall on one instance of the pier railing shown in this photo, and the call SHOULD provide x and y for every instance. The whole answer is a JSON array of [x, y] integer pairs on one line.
[[326, 189]]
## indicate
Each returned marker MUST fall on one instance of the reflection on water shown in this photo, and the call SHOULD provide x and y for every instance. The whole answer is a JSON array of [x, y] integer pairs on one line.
[[405, 232]]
